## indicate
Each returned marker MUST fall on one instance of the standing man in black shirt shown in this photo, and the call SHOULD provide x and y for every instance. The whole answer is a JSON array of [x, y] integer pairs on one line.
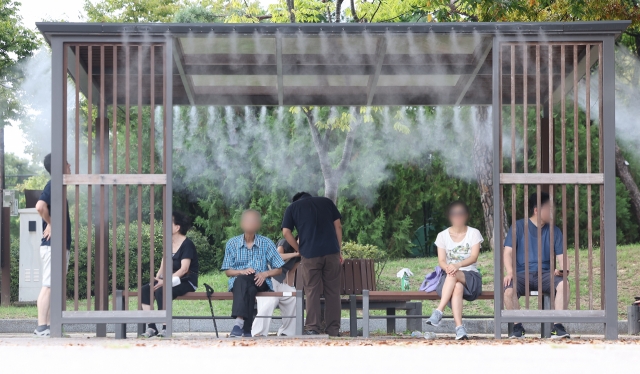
[[320, 233]]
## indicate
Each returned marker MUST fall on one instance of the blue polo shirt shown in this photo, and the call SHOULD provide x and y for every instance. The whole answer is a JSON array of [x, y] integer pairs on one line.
[[533, 245]]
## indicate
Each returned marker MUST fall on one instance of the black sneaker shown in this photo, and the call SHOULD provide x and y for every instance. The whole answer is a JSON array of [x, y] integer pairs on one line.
[[518, 331], [558, 332]]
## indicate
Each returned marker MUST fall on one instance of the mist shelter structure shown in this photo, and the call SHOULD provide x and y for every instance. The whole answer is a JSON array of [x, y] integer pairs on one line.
[[142, 71]]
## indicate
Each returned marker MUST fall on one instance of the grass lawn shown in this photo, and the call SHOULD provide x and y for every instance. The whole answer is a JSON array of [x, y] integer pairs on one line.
[[628, 286]]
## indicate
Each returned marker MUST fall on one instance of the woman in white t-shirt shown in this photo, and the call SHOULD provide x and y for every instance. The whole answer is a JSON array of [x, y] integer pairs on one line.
[[458, 250]]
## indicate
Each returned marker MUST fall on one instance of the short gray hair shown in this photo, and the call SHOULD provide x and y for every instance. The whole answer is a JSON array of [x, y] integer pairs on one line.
[[244, 212]]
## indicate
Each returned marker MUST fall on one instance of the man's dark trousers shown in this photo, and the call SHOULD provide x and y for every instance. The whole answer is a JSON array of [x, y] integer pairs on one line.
[[244, 299], [321, 275]]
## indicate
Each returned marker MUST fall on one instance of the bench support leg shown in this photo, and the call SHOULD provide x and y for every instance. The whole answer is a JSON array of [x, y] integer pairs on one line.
[[141, 328], [414, 324], [509, 328], [365, 313], [121, 328], [391, 322], [353, 316], [633, 313], [299, 312], [545, 328]]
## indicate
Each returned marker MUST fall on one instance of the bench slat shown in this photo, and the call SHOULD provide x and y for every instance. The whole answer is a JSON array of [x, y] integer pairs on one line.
[[415, 295]]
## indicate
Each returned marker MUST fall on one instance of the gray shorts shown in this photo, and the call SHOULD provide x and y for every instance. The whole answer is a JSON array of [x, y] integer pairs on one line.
[[472, 288], [533, 282]]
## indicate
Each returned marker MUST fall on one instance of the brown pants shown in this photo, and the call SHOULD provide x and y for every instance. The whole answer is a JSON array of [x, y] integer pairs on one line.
[[321, 275]]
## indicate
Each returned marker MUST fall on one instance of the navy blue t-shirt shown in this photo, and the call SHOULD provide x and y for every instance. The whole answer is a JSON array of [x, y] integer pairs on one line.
[[46, 197], [533, 245], [313, 217]]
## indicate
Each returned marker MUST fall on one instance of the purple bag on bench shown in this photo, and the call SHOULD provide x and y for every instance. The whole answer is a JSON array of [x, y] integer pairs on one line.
[[431, 280]]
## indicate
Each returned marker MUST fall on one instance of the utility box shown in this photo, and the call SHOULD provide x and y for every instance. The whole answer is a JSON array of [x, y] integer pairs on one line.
[[30, 266]]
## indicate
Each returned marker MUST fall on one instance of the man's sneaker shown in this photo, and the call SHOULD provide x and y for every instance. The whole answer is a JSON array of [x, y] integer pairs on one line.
[[149, 334], [436, 317], [461, 333], [42, 331], [246, 334], [162, 333], [518, 331], [310, 332], [236, 332], [558, 332]]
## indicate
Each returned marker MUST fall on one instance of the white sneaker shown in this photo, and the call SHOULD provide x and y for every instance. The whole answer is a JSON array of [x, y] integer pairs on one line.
[[461, 333], [42, 334]]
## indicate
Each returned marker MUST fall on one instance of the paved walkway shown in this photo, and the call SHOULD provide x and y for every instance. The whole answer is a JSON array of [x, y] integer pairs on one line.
[[196, 353]]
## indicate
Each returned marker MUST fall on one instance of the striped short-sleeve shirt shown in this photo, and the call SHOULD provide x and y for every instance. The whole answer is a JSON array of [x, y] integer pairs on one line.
[[262, 256]]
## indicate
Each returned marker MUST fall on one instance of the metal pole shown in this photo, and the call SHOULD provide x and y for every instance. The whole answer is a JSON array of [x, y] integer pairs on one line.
[[58, 79], [365, 313], [168, 154], [5, 294], [609, 131], [497, 215]]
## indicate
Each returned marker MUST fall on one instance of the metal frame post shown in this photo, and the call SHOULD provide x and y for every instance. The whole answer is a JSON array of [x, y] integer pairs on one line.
[[58, 79], [365, 313], [168, 150], [497, 214], [609, 143]]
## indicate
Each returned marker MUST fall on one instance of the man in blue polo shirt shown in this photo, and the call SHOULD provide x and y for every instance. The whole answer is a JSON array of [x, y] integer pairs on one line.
[[540, 215], [320, 233], [250, 260]]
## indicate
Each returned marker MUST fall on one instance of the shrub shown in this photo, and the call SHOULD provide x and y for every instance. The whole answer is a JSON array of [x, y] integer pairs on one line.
[[352, 250]]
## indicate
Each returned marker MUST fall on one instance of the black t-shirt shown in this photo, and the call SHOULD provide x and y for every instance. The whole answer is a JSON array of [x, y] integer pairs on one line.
[[289, 264], [46, 197], [187, 250], [313, 217]]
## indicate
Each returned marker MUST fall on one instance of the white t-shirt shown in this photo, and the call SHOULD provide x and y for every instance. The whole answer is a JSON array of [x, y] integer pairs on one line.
[[457, 252]]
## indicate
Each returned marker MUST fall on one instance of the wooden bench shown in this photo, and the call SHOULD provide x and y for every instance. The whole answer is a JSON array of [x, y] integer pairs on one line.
[[202, 296]]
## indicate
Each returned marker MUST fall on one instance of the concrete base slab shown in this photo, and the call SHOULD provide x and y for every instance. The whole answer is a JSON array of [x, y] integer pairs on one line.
[[376, 326]]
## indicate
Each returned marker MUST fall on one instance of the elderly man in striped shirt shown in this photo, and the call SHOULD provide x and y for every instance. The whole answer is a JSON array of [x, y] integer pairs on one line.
[[250, 260]]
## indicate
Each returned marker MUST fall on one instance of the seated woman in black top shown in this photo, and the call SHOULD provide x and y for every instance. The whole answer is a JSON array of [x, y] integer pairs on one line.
[[185, 268]]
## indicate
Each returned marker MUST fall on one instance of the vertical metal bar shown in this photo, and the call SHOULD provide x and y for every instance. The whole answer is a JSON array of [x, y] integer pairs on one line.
[[103, 134], [140, 172], [65, 115], [514, 240], [539, 169], [127, 207], [76, 222], [609, 139], [168, 157], [58, 75], [563, 124], [114, 170], [365, 313], [497, 214], [588, 140], [89, 171], [600, 170], [152, 157], [576, 169], [525, 120], [552, 225]]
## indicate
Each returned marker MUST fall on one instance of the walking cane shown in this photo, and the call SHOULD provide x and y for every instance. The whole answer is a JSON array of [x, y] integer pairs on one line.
[[213, 317]]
